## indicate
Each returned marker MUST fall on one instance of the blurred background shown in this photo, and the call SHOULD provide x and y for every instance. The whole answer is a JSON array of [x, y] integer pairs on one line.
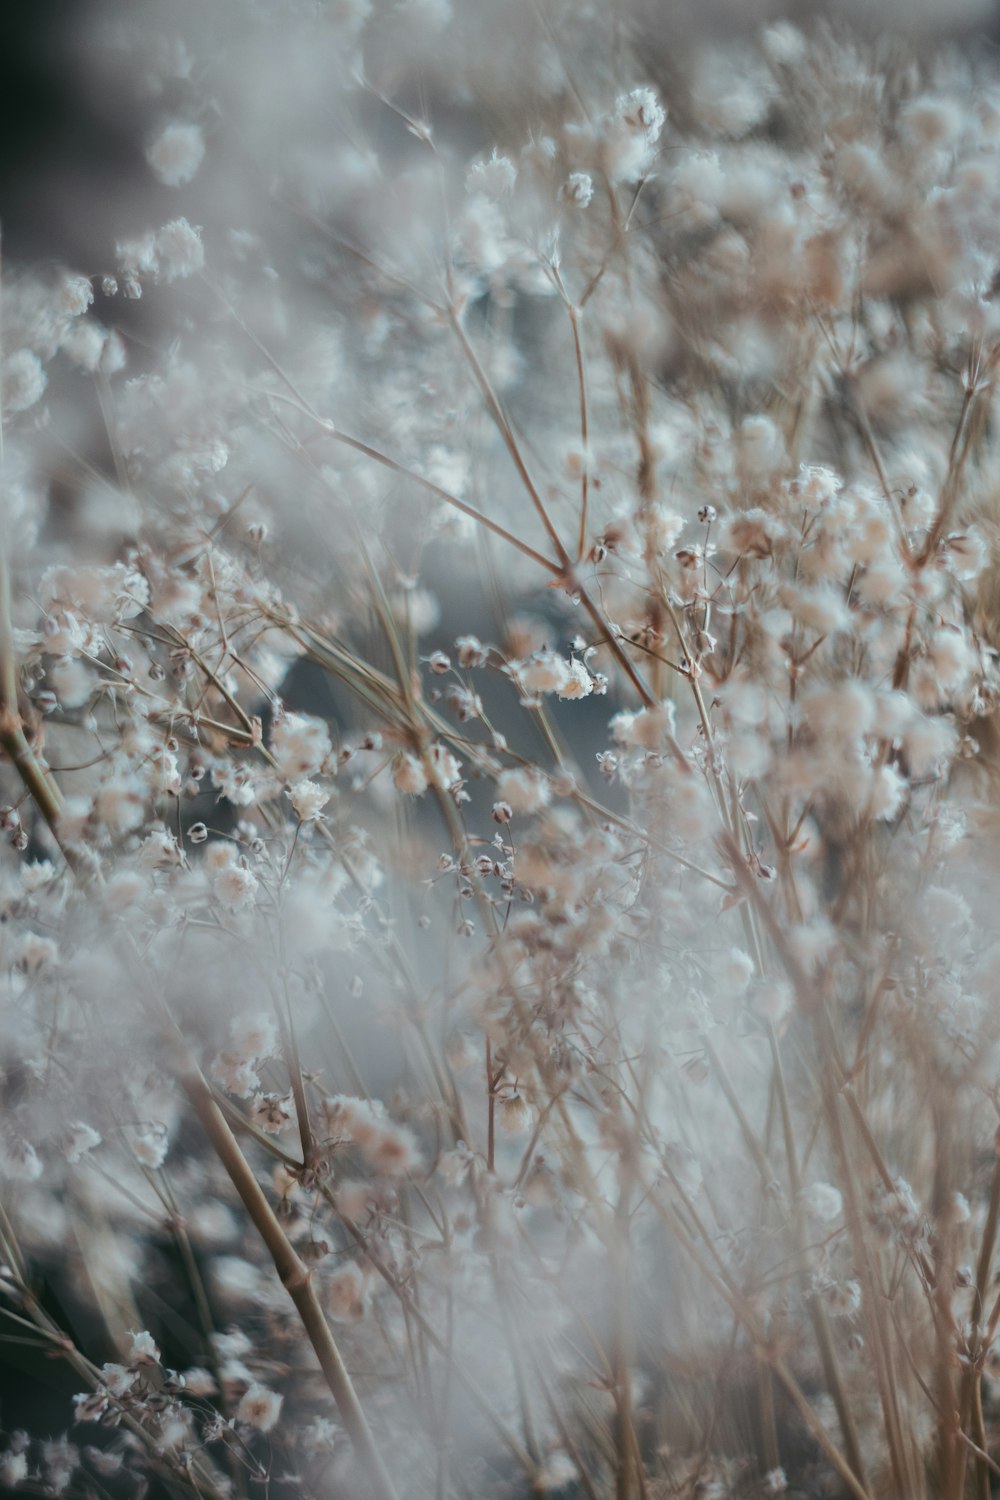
[[73, 126], [74, 122]]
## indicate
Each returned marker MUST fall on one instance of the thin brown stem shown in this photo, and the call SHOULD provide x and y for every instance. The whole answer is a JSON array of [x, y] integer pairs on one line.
[[294, 1275], [496, 411]]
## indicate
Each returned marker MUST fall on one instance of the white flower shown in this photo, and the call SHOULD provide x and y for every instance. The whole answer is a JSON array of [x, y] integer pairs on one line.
[[253, 1037], [176, 153], [200, 1382], [843, 1298], [391, 1149], [19, 1160], [259, 1408], [235, 783], [761, 445], [514, 1115], [929, 745], [888, 793], [102, 594], [345, 1294], [579, 683], [173, 252], [300, 745], [308, 800], [138, 257], [445, 767], [37, 874], [645, 728], [784, 44], [232, 1345], [72, 681], [663, 528], [774, 1000], [632, 133], [823, 1201], [319, 1436], [13, 1469], [416, 608], [84, 343], [752, 533], [149, 1144], [846, 711], [523, 790], [558, 1472], [578, 189], [235, 887], [36, 953], [76, 293], [117, 1379], [120, 805], [880, 583], [179, 250], [80, 1138], [928, 121], [237, 1075], [495, 178], [409, 775], [271, 1112], [918, 507], [236, 1279], [966, 554], [23, 381], [143, 1350], [544, 672], [737, 969], [470, 651], [159, 849]]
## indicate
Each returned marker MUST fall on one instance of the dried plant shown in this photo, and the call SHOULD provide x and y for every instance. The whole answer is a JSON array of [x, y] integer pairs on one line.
[[496, 690]]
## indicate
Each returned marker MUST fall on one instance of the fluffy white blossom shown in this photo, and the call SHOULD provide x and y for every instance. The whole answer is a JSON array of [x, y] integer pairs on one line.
[[495, 177], [409, 775], [176, 152], [235, 887], [300, 744], [142, 1349], [171, 253], [259, 1408], [308, 799], [578, 189], [633, 131], [578, 683], [823, 1201], [23, 381], [543, 672], [345, 1295], [19, 1160], [80, 1138], [523, 791], [150, 1144]]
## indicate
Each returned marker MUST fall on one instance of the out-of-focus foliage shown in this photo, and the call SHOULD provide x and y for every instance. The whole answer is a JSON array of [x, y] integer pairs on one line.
[[496, 692]]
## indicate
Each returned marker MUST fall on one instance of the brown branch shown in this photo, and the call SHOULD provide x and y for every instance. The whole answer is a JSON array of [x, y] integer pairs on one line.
[[37, 782], [294, 1274]]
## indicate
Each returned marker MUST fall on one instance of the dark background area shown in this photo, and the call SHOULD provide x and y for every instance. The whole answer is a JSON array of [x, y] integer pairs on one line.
[[59, 156]]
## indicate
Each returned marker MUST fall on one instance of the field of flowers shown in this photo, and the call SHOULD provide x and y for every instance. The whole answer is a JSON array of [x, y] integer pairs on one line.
[[499, 853]]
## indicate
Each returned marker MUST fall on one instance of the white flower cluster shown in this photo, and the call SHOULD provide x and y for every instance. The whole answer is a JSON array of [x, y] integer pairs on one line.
[[497, 767]]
